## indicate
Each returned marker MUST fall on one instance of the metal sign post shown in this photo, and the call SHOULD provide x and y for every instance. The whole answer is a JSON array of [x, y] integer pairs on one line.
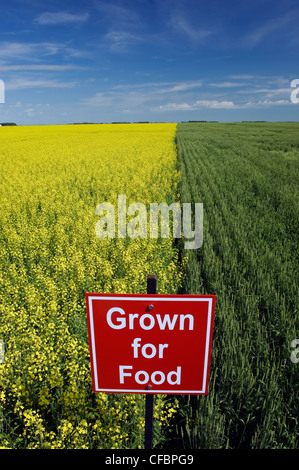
[[149, 398]]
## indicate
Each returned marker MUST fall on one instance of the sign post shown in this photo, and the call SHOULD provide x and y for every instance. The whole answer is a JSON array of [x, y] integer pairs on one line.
[[149, 398], [150, 343]]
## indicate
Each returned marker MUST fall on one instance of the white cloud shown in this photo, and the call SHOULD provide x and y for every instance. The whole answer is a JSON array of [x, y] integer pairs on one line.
[[120, 40], [134, 96], [198, 104], [196, 34], [182, 86], [117, 101], [20, 83], [184, 96], [285, 24], [226, 84], [191, 28], [123, 25], [118, 14], [265, 103], [242, 76], [162, 87], [35, 52], [62, 17], [269, 92], [17, 50], [215, 104], [42, 68], [16, 112]]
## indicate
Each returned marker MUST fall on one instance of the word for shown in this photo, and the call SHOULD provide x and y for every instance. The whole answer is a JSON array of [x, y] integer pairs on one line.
[[137, 226], [294, 97], [136, 344], [147, 321], [295, 354]]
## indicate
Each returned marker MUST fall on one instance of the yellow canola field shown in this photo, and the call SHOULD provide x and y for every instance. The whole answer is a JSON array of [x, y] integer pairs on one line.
[[52, 179]]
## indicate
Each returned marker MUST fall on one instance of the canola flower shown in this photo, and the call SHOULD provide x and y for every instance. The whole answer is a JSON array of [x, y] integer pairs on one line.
[[53, 177]]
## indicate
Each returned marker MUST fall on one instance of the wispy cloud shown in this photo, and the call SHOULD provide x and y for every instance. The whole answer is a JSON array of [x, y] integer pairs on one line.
[[119, 15], [35, 52], [215, 104], [286, 24], [16, 50], [183, 25], [120, 40], [122, 25], [118, 101], [266, 103], [243, 76], [268, 92], [265, 89], [198, 104], [196, 35], [19, 109], [183, 86], [63, 17], [191, 95], [21, 83], [148, 94], [162, 87], [42, 68], [227, 84]]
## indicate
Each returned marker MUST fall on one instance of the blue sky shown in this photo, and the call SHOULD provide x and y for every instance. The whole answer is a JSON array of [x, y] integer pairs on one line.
[[133, 60]]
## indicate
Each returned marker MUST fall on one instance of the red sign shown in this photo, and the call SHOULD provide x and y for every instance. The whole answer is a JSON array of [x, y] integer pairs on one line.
[[150, 343]]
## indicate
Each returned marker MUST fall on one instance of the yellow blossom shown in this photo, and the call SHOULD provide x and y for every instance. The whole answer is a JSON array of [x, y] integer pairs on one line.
[[53, 179]]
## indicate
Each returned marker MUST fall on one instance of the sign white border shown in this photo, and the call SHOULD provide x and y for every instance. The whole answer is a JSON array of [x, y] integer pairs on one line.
[[156, 299]]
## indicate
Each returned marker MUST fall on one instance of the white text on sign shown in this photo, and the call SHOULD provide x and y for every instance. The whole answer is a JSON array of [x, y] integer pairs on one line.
[[147, 321], [119, 323]]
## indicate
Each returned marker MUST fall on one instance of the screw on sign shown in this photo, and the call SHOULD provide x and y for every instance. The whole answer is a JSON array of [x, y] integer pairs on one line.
[[163, 342]]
